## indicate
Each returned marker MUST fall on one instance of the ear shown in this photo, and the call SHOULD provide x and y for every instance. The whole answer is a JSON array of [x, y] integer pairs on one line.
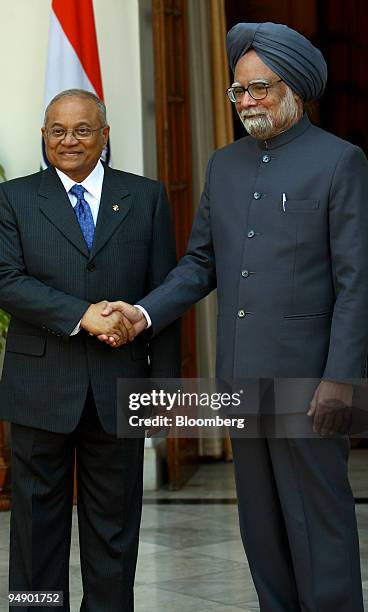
[[105, 134]]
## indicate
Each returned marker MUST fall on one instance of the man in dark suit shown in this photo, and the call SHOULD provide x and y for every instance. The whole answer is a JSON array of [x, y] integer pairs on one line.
[[282, 231], [72, 237]]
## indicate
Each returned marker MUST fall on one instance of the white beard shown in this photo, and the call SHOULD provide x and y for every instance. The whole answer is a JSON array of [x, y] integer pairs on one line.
[[266, 124]]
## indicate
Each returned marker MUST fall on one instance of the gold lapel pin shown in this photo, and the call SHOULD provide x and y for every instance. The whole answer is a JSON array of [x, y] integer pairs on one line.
[[116, 207]]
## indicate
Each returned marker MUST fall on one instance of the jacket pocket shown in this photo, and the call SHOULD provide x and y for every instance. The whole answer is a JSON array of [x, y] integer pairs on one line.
[[300, 206], [26, 345], [309, 315]]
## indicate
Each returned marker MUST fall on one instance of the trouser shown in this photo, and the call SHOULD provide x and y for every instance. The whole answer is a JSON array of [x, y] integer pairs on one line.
[[109, 485], [298, 524]]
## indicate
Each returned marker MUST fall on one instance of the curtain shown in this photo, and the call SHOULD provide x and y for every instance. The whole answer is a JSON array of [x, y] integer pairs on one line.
[[222, 113], [211, 127]]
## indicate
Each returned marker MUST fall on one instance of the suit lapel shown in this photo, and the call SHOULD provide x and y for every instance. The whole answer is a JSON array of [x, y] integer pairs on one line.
[[114, 207], [55, 205]]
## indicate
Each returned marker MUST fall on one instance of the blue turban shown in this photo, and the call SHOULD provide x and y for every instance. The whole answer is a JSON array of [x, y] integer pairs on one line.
[[289, 54]]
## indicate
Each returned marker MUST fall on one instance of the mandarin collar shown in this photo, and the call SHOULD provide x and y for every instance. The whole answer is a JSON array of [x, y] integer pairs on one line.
[[281, 139]]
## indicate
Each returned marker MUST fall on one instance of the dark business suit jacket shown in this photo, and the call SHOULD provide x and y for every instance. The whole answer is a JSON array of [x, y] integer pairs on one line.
[[47, 281], [292, 284]]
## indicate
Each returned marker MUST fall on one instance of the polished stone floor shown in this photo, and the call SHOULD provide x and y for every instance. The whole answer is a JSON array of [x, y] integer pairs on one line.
[[191, 558]]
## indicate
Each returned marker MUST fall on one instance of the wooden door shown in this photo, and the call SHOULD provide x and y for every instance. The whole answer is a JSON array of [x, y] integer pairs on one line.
[[174, 169], [345, 47]]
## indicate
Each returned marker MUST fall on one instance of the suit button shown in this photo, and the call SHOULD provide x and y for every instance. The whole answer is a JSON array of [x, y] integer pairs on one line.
[[245, 273], [257, 195], [266, 158], [91, 267], [251, 233], [241, 314]]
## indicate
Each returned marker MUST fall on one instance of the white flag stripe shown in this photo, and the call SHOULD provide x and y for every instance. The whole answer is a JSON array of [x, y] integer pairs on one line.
[[64, 69]]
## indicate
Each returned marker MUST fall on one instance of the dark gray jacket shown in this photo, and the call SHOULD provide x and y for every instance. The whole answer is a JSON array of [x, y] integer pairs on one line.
[[292, 279]]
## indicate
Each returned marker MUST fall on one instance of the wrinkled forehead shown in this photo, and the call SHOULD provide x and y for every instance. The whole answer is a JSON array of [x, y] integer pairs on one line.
[[250, 67]]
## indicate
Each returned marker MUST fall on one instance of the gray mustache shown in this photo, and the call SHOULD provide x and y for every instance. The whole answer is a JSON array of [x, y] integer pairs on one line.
[[246, 114]]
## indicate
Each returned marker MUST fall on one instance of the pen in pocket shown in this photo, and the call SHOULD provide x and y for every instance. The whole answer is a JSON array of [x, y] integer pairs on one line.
[[284, 199]]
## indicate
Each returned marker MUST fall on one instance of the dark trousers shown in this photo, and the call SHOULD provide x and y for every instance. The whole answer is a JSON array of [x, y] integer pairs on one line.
[[109, 480], [298, 524]]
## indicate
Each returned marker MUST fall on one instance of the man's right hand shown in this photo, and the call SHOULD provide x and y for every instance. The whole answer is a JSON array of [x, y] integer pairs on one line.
[[115, 326], [134, 315]]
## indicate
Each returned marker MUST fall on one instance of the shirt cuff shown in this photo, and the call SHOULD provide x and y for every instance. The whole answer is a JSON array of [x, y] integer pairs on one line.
[[77, 329], [146, 315]]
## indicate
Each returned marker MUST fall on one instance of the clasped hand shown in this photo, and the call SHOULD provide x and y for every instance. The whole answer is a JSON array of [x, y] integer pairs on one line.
[[114, 323]]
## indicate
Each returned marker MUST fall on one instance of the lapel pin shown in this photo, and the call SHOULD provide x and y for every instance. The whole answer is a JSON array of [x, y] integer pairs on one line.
[[116, 207]]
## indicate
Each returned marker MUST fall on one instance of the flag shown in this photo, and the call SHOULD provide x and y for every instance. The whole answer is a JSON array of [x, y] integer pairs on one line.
[[73, 60]]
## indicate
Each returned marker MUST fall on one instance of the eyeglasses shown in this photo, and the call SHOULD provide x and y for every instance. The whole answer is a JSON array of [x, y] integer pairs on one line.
[[257, 90], [79, 133]]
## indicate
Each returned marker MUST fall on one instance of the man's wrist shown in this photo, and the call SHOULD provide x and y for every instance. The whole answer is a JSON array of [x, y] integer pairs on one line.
[[79, 325], [145, 314], [85, 320]]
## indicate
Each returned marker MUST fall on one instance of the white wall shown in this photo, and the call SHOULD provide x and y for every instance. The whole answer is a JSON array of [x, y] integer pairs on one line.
[[23, 50]]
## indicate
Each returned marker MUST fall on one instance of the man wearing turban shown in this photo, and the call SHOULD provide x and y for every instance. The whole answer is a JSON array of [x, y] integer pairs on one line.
[[282, 232]]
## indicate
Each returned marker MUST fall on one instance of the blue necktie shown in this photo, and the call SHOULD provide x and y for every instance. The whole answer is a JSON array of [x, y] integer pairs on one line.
[[84, 214]]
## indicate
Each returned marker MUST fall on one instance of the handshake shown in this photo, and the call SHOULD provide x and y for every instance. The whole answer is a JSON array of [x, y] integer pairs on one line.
[[114, 323]]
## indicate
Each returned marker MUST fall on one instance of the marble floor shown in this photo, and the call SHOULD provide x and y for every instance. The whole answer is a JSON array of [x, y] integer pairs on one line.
[[191, 558]]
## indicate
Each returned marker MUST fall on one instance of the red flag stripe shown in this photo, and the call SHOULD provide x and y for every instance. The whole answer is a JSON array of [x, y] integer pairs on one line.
[[77, 21]]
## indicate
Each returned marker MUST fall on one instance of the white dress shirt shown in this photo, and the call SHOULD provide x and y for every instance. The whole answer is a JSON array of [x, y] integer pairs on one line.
[[93, 186]]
